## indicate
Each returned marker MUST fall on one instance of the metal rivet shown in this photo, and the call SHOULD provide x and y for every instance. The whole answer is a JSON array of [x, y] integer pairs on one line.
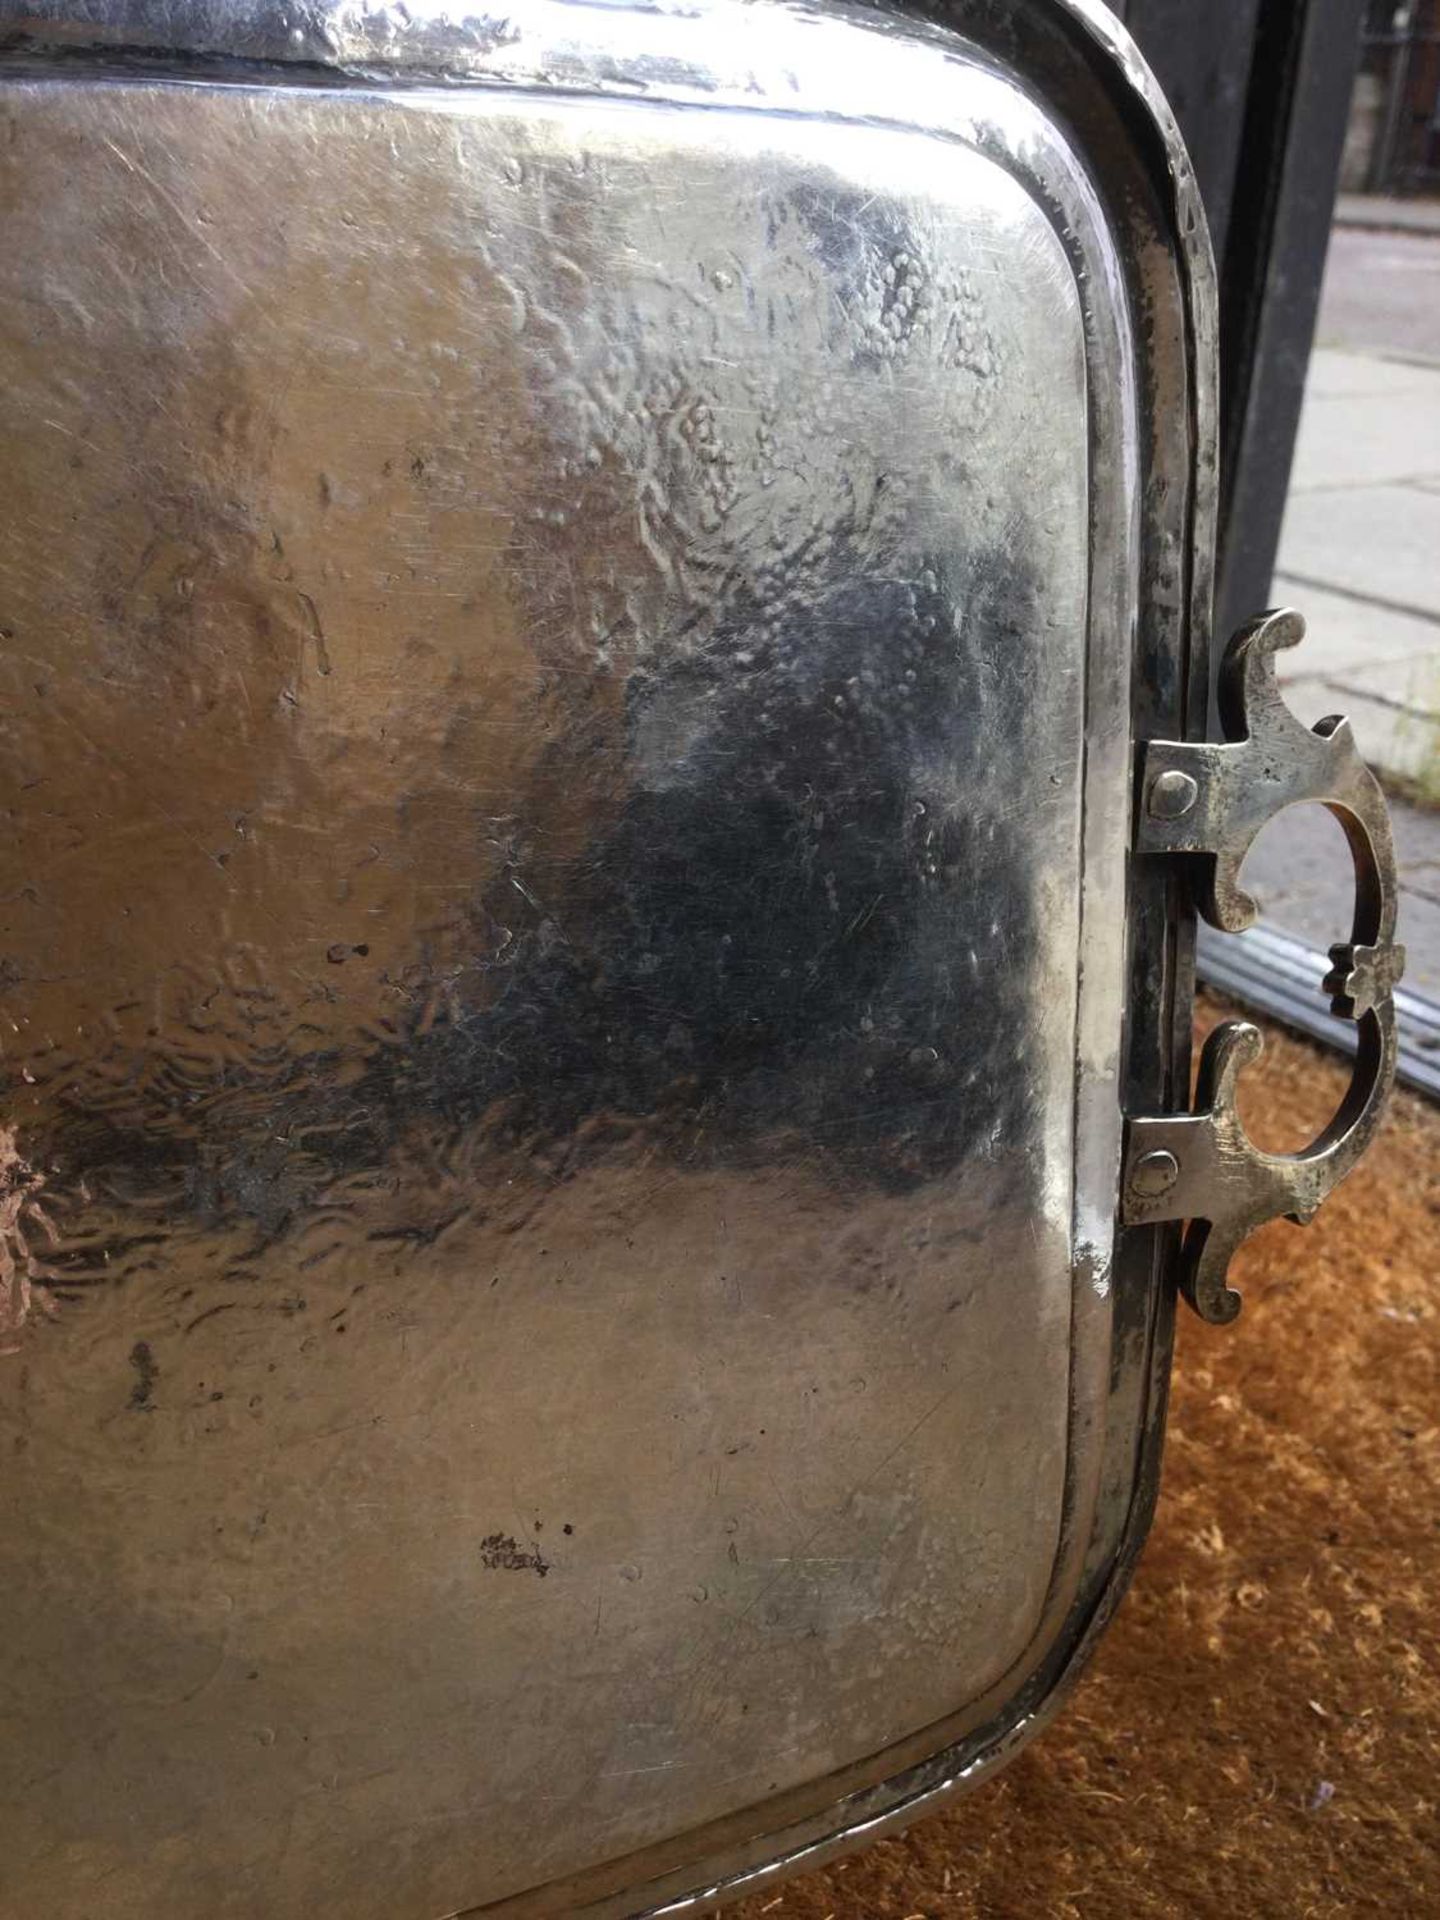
[[1172, 795], [1154, 1173]]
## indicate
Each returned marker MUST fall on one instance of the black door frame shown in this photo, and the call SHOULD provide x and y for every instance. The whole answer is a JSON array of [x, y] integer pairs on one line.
[[1261, 89]]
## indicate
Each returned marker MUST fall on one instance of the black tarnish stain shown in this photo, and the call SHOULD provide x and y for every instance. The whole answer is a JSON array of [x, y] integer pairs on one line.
[[793, 936], [146, 1371], [501, 1553]]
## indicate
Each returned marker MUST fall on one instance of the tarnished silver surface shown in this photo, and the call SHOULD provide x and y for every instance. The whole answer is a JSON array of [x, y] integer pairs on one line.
[[1207, 802], [570, 680]]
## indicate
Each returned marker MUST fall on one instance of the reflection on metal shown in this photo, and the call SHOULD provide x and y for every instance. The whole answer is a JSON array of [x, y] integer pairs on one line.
[[1277, 974], [1222, 1184], [579, 584]]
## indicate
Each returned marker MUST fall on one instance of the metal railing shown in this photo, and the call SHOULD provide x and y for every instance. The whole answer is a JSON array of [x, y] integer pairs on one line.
[[1400, 49]]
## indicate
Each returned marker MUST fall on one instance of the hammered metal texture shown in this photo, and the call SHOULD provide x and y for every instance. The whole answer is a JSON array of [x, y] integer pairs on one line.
[[544, 673]]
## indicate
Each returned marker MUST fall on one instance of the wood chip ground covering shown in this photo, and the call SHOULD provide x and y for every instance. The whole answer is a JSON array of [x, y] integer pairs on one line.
[[1259, 1733]]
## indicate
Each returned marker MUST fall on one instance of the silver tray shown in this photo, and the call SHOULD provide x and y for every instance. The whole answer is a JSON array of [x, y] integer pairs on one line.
[[605, 641]]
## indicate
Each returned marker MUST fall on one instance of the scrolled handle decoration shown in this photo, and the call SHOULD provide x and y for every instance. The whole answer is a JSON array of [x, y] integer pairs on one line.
[[1209, 801]]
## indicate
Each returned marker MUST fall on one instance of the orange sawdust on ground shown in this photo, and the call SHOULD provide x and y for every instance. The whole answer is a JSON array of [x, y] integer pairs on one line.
[[1259, 1733]]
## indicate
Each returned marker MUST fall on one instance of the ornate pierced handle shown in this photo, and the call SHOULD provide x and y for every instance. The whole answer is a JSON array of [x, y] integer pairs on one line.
[[1210, 801]]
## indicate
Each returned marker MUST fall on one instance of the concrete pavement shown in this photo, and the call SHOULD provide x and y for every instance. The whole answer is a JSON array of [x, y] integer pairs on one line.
[[1360, 557], [1382, 293], [1382, 213]]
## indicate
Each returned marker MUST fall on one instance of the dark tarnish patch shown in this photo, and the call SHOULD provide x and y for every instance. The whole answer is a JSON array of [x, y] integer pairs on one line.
[[146, 1371], [790, 932], [502, 1554]]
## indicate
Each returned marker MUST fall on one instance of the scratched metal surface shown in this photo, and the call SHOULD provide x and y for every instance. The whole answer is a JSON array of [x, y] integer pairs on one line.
[[551, 847]]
